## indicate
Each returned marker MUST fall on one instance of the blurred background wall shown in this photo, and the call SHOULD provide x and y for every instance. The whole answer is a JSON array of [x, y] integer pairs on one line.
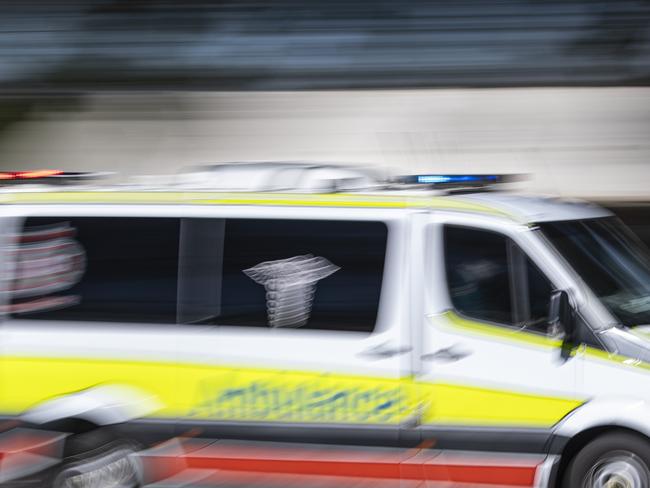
[[588, 142], [557, 89]]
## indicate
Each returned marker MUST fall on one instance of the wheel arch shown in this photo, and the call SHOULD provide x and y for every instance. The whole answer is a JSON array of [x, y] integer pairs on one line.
[[102, 405], [567, 449], [592, 420]]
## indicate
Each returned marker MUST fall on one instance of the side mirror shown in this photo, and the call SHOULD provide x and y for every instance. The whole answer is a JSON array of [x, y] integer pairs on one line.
[[562, 317]]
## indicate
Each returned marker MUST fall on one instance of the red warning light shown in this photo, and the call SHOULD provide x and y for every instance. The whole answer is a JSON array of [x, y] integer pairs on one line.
[[39, 173]]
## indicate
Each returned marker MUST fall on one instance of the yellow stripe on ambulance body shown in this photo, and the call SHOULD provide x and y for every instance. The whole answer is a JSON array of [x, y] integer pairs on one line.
[[192, 391], [345, 200]]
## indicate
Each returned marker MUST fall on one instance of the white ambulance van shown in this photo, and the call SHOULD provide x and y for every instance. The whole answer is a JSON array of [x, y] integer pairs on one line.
[[331, 326]]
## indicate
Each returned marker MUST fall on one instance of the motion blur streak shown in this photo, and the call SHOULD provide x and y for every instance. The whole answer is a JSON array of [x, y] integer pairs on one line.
[[289, 44], [190, 461], [145, 87], [586, 142], [24, 451], [330, 466]]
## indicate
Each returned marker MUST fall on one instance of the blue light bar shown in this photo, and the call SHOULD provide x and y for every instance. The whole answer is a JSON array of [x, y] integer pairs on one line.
[[457, 181], [451, 179]]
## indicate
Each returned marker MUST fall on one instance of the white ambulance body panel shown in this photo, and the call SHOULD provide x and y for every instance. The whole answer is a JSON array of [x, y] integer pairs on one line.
[[426, 367]]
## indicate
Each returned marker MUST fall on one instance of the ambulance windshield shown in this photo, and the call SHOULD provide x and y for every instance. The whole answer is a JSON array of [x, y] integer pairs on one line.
[[610, 260]]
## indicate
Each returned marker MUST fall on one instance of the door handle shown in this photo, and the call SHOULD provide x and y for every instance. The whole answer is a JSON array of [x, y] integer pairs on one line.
[[384, 351], [448, 354]]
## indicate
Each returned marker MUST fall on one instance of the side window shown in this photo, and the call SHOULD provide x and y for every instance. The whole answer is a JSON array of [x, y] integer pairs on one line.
[[96, 269], [477, 274], [309, 274], [278, 273], [489, 278]]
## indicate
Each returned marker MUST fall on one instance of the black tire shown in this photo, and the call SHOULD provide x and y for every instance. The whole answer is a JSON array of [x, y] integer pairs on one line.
[[621, 459], [98, 459]]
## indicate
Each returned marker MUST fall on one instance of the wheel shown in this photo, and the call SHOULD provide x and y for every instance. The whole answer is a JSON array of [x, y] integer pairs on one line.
[[93, 461], [616, 460]]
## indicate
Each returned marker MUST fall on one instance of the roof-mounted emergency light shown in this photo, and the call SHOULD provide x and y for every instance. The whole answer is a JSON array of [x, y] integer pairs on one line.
[[48, 176], [458, 180], [29, 175]]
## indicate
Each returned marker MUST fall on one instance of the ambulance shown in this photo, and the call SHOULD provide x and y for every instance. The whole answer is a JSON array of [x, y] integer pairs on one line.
[[261, 323]]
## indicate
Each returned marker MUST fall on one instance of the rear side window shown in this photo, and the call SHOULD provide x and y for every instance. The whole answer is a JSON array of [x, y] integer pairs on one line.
[[98, 269], [306, 274], [491, 279]]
